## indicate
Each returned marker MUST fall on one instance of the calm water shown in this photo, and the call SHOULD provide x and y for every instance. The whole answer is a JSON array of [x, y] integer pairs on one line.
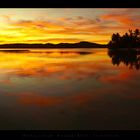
[[69, 89]]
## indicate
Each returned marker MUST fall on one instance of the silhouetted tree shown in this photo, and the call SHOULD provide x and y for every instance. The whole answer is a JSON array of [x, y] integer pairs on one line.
[[116, 37], [130, 33], [137, 35], [128, 40], [136, 32]]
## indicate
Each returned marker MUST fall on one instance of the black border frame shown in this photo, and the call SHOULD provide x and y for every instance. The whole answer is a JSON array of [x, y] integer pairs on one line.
[[69, 4]]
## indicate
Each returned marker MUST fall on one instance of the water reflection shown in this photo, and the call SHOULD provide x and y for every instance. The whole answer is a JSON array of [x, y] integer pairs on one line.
[[60, 64], [67, 89], [129, 57]]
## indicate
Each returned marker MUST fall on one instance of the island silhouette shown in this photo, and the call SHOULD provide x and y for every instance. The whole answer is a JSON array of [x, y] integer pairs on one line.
[[82, 44]]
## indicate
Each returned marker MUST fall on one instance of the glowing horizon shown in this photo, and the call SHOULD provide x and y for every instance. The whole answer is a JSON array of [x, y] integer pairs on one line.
[[65, 25]]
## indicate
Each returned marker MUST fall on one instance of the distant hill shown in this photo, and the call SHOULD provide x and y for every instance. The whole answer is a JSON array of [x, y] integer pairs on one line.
[[82, 44]]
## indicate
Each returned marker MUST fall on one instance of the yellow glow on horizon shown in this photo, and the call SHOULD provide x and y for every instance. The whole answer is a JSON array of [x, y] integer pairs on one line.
[[52, 25]]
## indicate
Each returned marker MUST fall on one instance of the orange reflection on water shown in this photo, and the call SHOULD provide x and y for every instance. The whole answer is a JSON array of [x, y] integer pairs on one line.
[[47, 63], [63, 66], [78, 99]]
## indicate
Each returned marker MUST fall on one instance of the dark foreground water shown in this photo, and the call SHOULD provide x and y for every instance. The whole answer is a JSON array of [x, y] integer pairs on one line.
[[69, 89]]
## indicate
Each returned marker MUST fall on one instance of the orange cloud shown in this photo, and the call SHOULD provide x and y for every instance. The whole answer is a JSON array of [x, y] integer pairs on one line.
[[96, 29], [65, 29], [36, 23], [119, 18]]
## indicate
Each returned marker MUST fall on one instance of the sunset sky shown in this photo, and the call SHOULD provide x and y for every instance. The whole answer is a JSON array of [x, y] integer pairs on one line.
[[56, 25]]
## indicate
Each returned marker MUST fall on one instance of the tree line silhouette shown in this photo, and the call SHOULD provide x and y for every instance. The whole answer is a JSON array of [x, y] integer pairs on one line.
[[130, 39], [129, 57], [125, 49]]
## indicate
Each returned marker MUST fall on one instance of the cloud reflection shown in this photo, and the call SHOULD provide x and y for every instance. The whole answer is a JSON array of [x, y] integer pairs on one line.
[[93, 68], [64, 65]]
